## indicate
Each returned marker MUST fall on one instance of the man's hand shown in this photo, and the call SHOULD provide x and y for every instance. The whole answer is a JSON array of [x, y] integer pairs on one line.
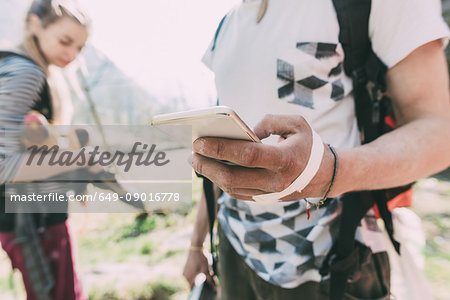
[[260, 168]]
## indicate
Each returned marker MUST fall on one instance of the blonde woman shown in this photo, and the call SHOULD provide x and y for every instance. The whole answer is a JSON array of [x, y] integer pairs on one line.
[[55, 33]]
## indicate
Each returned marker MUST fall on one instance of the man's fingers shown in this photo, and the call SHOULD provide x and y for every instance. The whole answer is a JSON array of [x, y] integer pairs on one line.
[[235, 179], [282, 125], [242, 153]]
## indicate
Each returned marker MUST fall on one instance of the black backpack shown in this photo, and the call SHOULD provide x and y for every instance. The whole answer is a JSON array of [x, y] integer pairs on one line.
[[372, 106]]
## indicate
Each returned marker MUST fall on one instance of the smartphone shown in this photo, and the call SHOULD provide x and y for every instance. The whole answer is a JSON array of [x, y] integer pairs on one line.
[[216, 121], [202, 289]]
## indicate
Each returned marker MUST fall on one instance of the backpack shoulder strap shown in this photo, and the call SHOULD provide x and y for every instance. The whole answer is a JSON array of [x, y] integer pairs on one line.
[[362, 65], [368, 73], [353, 18]]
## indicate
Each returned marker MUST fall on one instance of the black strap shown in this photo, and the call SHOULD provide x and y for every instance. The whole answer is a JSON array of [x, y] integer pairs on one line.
[[45, 105], [368, 75], [208, 189], [342, 261], [353, 18], [369, 84]]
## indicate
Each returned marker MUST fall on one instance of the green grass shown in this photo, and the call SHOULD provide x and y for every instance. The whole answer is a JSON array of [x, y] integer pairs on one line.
[[159, 290], [141, 225]]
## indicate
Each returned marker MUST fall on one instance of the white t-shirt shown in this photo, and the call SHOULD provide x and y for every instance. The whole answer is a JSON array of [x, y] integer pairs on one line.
[[291, 63]]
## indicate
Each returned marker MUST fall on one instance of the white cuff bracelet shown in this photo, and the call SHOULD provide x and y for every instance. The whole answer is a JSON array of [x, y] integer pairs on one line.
[[315, 159]]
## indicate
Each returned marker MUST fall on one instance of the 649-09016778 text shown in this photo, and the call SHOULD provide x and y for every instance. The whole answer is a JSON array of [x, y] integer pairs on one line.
[[96, 196]]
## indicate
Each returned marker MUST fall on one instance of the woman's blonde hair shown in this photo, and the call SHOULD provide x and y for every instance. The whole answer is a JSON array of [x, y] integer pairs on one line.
[[49, 12]]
